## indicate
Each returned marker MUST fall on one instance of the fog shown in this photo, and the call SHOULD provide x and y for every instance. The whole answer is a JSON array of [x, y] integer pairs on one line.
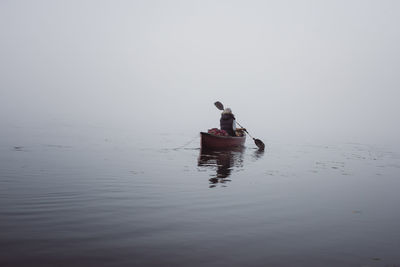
[[306, 69]]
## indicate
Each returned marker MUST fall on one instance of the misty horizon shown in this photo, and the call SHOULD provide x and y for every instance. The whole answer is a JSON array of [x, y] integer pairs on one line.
[[286, 68]]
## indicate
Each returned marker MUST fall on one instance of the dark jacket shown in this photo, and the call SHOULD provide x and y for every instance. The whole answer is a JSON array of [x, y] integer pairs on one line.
[[226, 123]]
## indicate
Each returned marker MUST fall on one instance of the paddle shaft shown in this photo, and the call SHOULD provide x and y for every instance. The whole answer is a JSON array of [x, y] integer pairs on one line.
[[244, 129]]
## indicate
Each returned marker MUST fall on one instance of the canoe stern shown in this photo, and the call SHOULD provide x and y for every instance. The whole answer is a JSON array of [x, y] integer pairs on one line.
[[221, 142]]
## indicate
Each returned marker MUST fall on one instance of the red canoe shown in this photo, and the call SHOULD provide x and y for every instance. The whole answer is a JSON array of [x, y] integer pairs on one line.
[[221, 142]]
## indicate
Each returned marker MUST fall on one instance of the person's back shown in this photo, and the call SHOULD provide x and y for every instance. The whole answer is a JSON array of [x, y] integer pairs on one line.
[[227, 122]]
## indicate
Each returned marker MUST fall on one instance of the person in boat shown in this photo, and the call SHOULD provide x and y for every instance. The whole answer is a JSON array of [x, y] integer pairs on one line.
[[227, 122]]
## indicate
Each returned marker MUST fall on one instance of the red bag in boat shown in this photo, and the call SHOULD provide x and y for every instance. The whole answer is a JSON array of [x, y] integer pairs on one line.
[[218, 132]]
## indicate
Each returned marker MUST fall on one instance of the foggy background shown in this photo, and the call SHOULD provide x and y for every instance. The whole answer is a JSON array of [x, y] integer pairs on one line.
[[314, 70]]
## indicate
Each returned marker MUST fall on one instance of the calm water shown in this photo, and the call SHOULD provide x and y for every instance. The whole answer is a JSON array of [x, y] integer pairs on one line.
[[110, 199]]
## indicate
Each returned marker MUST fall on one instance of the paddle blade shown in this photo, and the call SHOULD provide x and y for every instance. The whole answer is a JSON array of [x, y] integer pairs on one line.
[[259, 144], [219, 105]]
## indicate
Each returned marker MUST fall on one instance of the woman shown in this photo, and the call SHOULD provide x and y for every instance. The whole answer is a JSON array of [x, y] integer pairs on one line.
[[227, 122]]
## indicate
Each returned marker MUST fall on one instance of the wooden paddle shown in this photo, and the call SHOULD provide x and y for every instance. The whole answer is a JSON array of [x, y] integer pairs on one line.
[[258, 142]]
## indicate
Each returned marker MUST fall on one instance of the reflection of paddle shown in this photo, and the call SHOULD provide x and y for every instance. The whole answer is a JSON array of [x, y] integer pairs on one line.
[[258, 142]]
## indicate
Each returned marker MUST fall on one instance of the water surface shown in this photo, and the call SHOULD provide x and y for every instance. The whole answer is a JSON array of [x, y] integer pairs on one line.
[[114, 199]]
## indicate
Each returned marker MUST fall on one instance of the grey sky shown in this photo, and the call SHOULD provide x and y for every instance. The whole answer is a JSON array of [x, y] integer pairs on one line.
[[306, 68]]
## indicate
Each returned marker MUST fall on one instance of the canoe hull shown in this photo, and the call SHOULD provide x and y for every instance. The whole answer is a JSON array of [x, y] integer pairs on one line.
[[221, 142]]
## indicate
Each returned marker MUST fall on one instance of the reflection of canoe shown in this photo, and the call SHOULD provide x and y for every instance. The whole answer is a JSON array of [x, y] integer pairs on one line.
[[221, 142], [222, 161]]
